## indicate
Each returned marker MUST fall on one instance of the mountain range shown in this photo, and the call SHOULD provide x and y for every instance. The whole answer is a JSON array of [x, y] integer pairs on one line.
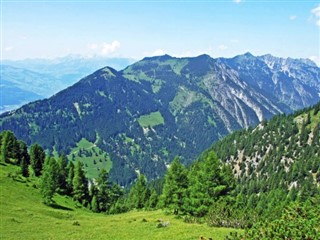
[[139, 118], [34, 79]]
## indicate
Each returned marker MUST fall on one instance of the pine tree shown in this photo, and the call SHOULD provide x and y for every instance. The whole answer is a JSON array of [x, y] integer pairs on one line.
[[80, 184], [9, 147], [174, 188], [153, 200], [139, 193], [103, 195], [24, 158], [49, 180], [70, 176], [37, 156], [63, 174], [94, 204], [208, 180]]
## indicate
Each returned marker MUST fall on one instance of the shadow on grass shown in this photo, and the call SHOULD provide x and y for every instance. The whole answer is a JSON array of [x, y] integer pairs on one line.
[[57, 206]]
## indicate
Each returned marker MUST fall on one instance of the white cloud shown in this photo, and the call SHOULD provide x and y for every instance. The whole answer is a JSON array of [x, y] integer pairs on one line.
[[93, 46], [158, 52], [237, 1], [293, 17], [222, 47], [316, 15], [108, 48]]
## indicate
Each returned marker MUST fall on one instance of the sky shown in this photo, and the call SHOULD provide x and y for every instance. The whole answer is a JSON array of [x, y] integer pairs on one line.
[[135, 29]]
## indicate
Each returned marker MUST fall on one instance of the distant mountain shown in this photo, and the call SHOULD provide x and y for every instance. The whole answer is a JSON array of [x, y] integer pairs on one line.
[[45, 77], [160, 107]]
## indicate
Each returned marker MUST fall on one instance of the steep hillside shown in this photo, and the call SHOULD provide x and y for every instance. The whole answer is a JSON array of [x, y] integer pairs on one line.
[[276, 162], [161, 107]]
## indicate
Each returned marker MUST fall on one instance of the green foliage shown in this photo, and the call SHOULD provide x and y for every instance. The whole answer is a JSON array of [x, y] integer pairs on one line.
[[37, 156], [9, 147], [139, 193], [24, 158], [49, 181], [298, 221], [80, 185], [209, 180], [175, 186]]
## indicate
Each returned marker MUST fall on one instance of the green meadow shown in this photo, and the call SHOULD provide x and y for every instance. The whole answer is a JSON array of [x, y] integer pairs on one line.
[[24, 216]]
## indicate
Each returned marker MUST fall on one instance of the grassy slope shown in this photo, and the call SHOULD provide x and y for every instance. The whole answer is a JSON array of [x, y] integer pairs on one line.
[[23, 216]]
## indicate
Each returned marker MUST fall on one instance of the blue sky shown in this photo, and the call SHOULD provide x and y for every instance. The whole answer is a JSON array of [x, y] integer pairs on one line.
[[134, 29]]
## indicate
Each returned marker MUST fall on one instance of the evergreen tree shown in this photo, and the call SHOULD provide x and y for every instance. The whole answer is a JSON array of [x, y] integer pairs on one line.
[[153, 200], [49, 180], [174, 187], [37, 156], [80, 184], [63, 174], [9, 147], [70, 176], [94, 204], [139, 193], [24, 158], [103, 195], [208, 180]]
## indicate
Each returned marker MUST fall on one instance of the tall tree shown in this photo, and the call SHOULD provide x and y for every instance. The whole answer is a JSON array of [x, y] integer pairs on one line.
[[208, 180], [63, 174], [103, 195], [80, 184], [139, 193], [37, 156], [9, 147], [174, 188], [49, 179], [24, 158], [70, 176]]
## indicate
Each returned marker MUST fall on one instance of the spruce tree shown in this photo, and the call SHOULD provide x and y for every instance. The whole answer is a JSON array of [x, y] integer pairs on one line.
[[174, 188], [24, 158], [49, 180], [139, 193], [103, 195], [80, 184], [9, 151], [70, 176], [63, 174], [37, 156]]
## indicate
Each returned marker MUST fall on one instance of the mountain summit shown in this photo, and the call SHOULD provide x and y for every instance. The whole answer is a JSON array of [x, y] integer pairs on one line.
[[141, 117]]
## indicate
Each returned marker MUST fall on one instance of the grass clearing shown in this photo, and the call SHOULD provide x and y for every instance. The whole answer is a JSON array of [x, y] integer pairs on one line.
[[91, 156], [24, 216], [151, 120]]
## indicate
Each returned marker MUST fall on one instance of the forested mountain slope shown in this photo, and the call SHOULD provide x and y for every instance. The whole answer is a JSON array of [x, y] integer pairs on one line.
[[276, 162], [141, 117]]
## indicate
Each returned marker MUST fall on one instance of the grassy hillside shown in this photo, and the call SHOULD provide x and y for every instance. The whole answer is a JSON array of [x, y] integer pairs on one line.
[[24, 216]]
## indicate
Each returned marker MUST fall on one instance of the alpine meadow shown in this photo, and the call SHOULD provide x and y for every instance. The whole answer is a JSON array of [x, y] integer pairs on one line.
[[160, 120]]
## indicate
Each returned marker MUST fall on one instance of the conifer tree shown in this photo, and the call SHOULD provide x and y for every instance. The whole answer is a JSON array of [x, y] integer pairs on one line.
[[37, 156], [103, 195], [80, 184], [63, 174], [9, 147], [49, 180], [70, 176], [208, 180], [174, 188], [24, 158], [139, 193]]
